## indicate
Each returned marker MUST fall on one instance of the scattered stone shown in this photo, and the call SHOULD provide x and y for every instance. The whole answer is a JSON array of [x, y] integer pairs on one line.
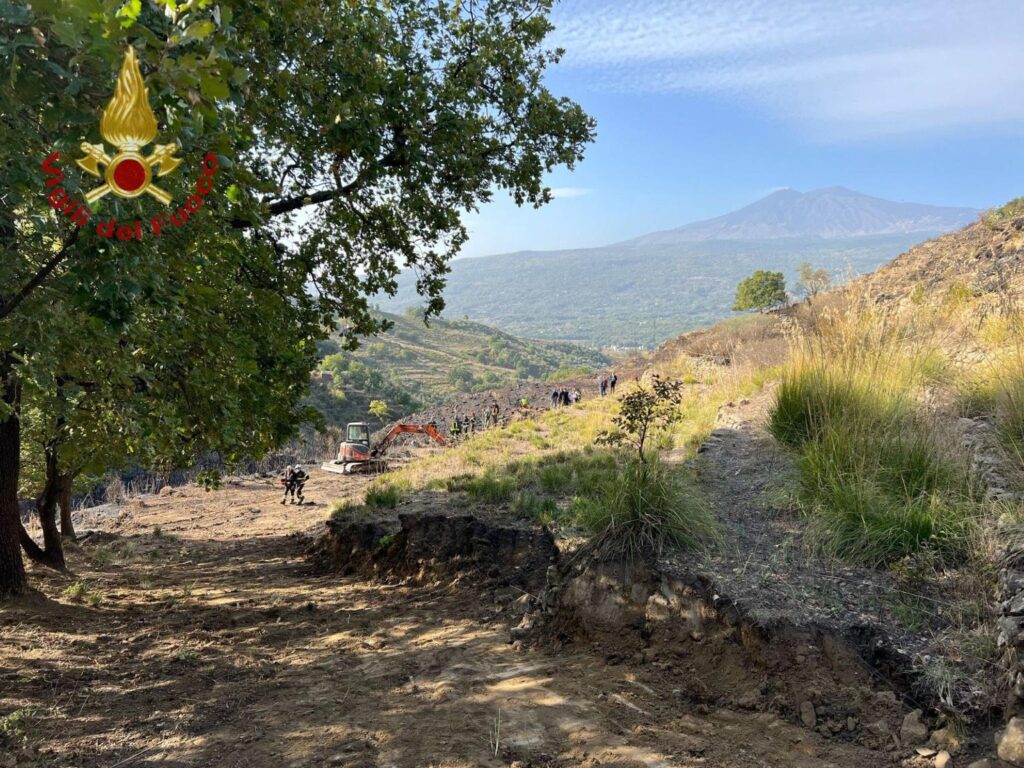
[[943, 760], [945, 739], [878, 728], [167, 491], [983, 763], [807, 716], [851, 724], [925, 751], [1010, 742], [913, 731], [524, 628]]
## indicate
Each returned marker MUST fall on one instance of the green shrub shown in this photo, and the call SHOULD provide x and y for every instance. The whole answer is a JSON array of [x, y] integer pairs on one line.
[[644, 508]]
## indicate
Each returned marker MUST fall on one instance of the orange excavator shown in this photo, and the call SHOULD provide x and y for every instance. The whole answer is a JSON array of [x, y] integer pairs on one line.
[[357, 455]]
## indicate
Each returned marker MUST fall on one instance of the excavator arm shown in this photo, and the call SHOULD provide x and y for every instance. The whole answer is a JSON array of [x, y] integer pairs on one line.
[[423, 429]]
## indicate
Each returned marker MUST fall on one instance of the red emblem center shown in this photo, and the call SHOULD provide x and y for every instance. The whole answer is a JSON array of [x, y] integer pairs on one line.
[[130, 174]]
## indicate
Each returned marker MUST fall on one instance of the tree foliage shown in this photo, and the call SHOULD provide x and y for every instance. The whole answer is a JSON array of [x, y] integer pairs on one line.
[[349, 139], [643, 410], [762, 290], [812, 281]]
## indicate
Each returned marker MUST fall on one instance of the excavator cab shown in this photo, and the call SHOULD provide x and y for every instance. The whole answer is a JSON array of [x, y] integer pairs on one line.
[[358, 432]]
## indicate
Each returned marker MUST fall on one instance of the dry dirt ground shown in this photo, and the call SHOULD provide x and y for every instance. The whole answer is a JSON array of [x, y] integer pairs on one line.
[[197, 635]]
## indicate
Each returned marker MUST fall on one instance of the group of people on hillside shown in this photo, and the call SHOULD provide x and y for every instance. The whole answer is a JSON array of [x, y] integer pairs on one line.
[[467, 425], [564, 396], [606, 384]]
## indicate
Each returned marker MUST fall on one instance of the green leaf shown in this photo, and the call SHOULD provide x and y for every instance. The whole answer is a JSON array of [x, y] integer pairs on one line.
[[129, 13], [214, 88], [199, 30]]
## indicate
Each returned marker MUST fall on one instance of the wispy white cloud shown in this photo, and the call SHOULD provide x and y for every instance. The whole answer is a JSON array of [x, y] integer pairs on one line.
[[564, 192], [842, 69]]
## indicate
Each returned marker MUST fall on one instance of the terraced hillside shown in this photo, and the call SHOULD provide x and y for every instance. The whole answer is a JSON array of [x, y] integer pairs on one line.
[[413, 365]]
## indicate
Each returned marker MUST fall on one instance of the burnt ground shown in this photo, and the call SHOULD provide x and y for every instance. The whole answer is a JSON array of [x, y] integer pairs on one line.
[[202, 635]]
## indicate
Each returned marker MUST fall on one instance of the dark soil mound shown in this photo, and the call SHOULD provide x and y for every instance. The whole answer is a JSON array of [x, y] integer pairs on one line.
[[436, 546]]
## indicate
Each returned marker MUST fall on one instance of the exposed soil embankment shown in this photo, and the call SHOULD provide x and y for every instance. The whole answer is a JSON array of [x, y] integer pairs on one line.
[[843, 686], [711, 651], [434, 546]]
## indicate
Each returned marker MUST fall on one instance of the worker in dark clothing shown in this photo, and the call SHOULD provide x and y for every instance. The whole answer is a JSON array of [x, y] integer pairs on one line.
[[294, 483], [602, 385], [495, 413], [563, 397], [286, 480], [612, 381], [554, 398]]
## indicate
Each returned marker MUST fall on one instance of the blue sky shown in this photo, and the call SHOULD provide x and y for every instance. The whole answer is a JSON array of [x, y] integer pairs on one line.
[[706, 105]]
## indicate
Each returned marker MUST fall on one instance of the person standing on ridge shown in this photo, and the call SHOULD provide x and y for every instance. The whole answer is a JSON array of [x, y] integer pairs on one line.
[[612, 381]]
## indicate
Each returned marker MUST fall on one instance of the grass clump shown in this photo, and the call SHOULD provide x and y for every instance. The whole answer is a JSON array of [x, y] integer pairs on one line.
[[343, 508], [876, 480], [491, 487], [645, 508], [80, 592], [383, 496]]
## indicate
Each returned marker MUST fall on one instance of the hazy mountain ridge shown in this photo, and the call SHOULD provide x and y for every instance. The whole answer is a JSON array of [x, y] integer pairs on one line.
[[643, 291], [833, 212]]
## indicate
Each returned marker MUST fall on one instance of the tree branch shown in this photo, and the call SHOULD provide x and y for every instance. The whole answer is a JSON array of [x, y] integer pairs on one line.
[[10, 304]]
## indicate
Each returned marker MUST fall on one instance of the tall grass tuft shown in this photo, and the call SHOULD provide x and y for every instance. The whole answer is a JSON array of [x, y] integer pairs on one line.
[[877, 480], [383, 495], [647, 508]]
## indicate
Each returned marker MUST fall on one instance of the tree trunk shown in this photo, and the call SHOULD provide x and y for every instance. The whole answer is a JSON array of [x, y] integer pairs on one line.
[[52, 553], [12, 568], [67, 527]]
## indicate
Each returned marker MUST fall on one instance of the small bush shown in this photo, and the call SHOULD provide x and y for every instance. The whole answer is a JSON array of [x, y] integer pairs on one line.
[[646, 508], [17, 725]]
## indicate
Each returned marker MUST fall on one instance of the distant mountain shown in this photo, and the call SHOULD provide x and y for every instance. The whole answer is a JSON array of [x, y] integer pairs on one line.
[[643, 291], [834, 212]]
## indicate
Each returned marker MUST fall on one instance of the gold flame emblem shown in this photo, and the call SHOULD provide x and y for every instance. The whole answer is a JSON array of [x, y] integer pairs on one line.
[[129, 124]]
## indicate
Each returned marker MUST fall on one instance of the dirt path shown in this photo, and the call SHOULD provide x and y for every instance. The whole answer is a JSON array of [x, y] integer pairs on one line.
[[209, 642]]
